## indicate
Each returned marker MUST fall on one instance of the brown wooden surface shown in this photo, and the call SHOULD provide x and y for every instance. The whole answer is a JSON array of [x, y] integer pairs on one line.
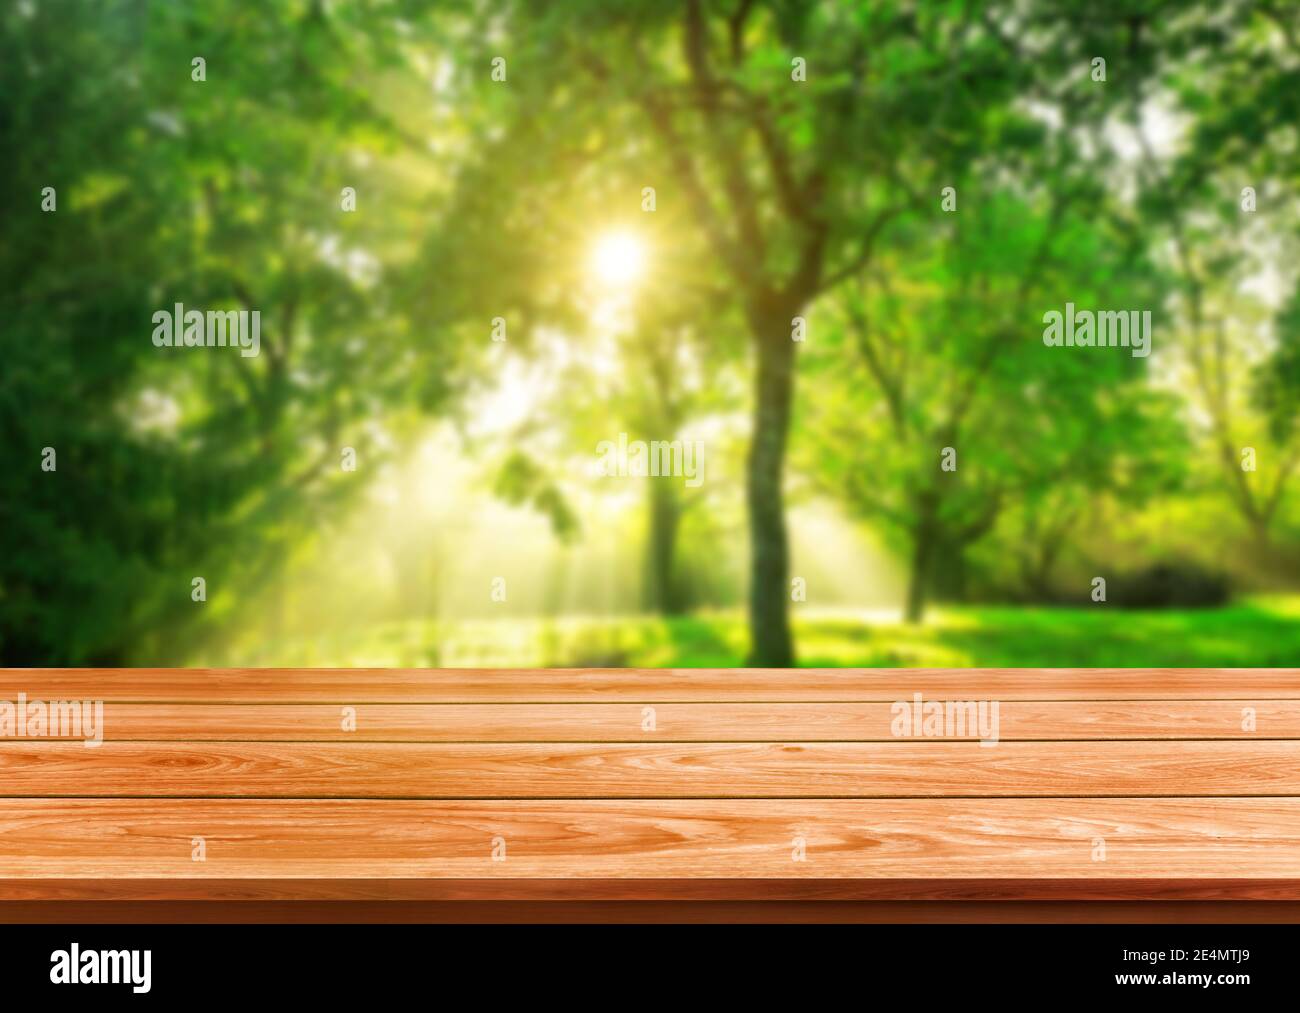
[[773, 787], [627, 771], [681, 722], [639, 912], [879, 839], [645, 685], [625, 890]]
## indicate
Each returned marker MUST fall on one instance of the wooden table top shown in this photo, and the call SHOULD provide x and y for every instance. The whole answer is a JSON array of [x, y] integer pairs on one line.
[[654, 785]]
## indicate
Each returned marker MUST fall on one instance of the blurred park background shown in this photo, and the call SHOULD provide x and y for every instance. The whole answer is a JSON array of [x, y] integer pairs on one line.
[[817, 239]]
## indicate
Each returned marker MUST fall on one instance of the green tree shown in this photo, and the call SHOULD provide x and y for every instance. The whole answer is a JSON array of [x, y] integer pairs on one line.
[[794, 134], [973, 416]]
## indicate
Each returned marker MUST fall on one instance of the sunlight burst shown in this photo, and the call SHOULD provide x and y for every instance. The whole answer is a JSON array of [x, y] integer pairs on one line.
[[618, 259]]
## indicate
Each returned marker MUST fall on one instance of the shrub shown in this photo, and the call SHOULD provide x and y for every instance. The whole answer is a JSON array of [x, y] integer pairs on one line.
[[1170, 584]]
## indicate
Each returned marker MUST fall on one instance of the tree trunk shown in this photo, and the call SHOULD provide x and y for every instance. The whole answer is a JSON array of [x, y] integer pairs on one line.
[[916, 583], [924, 542], [769, 587], [661, 549]]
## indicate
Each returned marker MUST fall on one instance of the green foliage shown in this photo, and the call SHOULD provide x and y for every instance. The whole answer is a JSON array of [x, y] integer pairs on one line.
[[1257, 633], [521, 481], [480, 199], [220, 194], [1277, 380]]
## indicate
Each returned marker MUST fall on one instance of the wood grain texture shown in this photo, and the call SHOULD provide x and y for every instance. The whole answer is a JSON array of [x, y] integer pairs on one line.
[[355, 686], [944, 839], [676, 722], [572, 890], [645, 911], [620, 770], [1106, 786]]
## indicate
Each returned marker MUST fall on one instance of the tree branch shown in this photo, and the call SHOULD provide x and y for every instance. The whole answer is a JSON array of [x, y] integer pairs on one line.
[[740, 194]]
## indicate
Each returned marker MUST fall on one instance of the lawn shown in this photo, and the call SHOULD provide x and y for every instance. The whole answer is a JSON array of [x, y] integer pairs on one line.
[[1259, 632]]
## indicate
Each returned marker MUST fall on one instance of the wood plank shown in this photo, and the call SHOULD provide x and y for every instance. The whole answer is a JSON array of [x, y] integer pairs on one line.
[[704, 722], [695, 889], [621, 770], [908, 839], [357, 686], [396, 910]]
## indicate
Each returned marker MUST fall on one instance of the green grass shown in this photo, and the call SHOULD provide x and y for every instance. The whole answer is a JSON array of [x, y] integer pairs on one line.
[[1263, 632]]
